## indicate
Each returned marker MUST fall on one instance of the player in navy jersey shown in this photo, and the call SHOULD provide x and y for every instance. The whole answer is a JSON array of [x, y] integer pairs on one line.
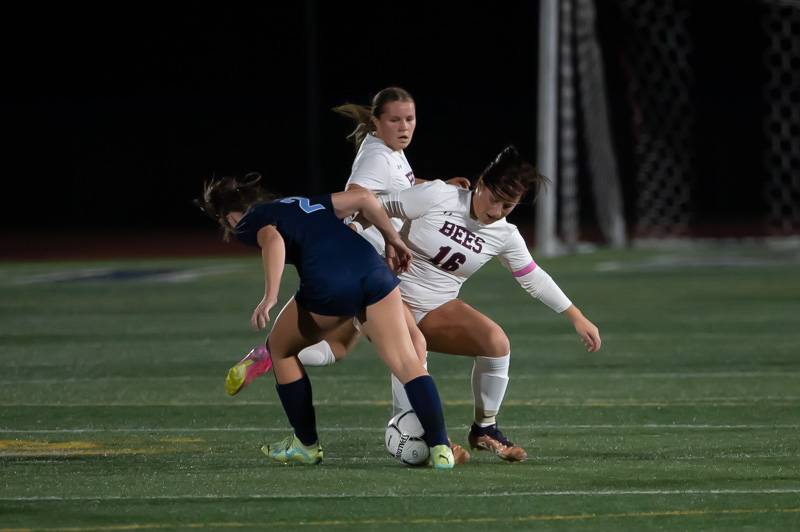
[[341, 277], [383, 132]]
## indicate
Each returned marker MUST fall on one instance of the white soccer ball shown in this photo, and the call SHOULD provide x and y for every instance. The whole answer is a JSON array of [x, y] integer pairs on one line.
[[404, 439]]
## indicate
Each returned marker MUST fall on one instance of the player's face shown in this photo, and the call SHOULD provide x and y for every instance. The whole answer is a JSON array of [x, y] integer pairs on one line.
[[489, 207], [395, 127]]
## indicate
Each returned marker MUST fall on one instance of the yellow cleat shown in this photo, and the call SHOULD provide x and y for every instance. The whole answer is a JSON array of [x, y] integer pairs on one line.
[[256, 363], [442, 457], [291, 449]]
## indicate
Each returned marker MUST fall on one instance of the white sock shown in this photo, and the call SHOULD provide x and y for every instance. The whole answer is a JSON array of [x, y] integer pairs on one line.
[[319, 354], [400, 402], [489, 382]]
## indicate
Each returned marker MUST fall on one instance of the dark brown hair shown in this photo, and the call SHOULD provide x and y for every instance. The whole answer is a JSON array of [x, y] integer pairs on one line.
[[511, 176], [225, 195], [362, 115]]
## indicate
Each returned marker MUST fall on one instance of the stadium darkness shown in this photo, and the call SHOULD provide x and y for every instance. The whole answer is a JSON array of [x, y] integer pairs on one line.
[[123, 113], [112, 117]]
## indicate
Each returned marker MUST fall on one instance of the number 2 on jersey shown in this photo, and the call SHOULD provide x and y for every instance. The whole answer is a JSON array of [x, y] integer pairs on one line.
[[452, 263], [304, 204]]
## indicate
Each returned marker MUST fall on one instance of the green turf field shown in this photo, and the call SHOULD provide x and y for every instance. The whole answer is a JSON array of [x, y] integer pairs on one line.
[[113, 414]]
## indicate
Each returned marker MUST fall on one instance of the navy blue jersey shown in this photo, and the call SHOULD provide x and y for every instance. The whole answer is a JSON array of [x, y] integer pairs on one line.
[[340, 272]]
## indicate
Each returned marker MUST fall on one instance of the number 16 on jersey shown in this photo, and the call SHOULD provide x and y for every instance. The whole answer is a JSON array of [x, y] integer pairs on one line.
[[453, 261]]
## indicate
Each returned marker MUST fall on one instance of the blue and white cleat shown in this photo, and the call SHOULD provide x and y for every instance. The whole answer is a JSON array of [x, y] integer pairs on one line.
[[291, 449], [442, 457]]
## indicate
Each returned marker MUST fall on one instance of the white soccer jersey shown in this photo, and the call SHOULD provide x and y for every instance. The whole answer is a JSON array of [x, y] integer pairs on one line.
[[448, 246], [381, 170]]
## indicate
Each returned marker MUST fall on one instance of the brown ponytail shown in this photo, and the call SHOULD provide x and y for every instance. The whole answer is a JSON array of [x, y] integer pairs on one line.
[[362, 116], [231, 194]]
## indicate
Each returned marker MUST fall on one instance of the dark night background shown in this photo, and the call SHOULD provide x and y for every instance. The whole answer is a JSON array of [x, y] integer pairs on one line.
[[114, 115]]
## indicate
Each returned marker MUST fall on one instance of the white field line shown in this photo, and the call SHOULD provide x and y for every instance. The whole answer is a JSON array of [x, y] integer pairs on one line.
[[362, 378], [392, 494], [601, 402], [541, 427], [386, 522], [53, 457]]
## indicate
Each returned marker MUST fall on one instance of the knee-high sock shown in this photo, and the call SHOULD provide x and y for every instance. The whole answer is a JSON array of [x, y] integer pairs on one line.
[[319, 354], [424, 398], [400, 401], [489, 382], [298, 404]]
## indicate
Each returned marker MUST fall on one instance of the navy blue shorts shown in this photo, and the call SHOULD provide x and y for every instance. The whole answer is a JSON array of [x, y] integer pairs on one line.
[[339, 293]]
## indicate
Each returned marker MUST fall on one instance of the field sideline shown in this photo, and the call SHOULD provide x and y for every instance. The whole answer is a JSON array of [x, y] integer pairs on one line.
[[113, 415]]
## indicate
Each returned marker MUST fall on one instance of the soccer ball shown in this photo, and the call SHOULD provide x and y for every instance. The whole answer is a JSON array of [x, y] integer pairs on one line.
[[404, 439]]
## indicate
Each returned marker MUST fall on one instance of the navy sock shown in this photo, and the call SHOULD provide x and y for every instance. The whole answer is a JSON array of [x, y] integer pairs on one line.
[[299, 407], [481, 431], [424, 399]]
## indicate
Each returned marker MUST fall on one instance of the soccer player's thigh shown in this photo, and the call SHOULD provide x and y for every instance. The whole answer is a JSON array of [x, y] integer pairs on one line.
[[417, 338], [295, 329], [459, 329], [387, 329]]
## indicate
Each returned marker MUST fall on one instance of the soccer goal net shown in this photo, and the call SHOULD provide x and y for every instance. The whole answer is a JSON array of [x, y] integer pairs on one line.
[[677, 119]]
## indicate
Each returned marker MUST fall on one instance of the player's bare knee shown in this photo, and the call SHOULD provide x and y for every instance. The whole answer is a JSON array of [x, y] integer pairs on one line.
[[496, 343]]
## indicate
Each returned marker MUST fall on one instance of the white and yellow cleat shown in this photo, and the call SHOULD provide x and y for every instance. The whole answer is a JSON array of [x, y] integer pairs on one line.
[[291, 449], [442, 457]]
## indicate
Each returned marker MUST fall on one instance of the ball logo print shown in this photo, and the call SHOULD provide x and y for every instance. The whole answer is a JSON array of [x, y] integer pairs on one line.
[[404, 441]]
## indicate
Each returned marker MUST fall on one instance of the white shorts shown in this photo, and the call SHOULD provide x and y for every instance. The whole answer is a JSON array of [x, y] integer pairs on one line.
[[421, 300]]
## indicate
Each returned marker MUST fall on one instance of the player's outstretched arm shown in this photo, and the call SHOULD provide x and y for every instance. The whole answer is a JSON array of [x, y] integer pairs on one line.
[[362, 201], [587, 330], [273, 255]]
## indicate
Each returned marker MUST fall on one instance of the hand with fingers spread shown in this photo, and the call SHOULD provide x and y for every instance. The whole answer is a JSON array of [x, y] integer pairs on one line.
[[260, 316]]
